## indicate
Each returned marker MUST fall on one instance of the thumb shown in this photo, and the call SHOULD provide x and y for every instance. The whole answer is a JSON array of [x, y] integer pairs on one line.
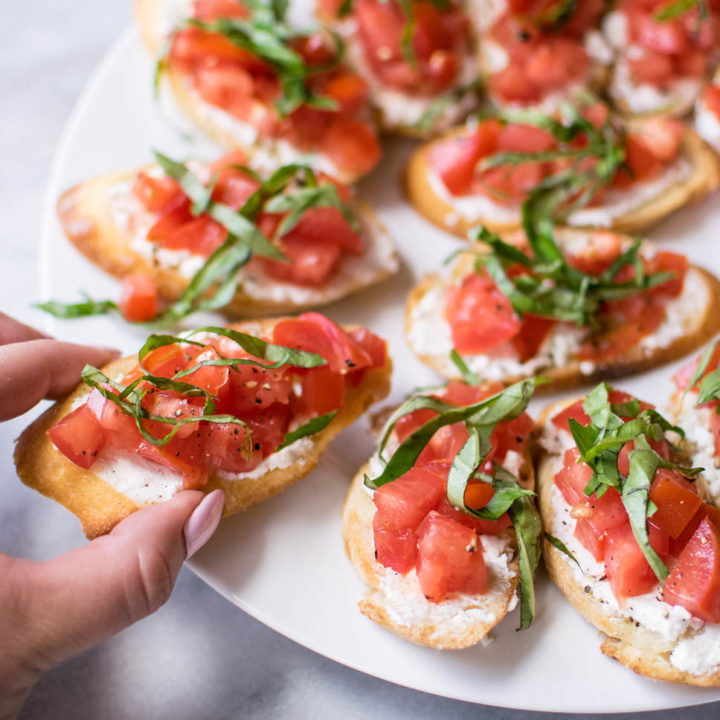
[[86, 595]]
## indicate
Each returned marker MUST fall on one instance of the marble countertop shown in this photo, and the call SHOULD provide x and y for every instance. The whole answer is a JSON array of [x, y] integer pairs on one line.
[[198, 657]]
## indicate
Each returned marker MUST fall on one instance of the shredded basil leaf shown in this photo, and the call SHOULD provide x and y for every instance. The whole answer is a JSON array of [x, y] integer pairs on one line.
[[77, 310], [467, 375], [309, 428], [560, 545], [528, 531]]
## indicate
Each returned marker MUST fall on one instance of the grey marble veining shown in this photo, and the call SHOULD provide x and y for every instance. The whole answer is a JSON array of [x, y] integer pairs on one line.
[[199, 657]]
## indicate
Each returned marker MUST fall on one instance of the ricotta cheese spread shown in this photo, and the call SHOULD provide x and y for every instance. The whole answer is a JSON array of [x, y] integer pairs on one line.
[[707, 125], [407, 606], [379, 260], [696, 423], [697, 644]]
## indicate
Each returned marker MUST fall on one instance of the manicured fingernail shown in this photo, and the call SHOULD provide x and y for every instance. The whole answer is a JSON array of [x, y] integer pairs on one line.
[[202, 523]]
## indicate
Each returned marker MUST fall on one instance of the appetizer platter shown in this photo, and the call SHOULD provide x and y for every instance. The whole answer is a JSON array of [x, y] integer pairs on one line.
[[330, 241]]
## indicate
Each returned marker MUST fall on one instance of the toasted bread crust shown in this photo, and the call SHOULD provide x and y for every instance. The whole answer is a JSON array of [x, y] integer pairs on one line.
[[642, 650], [637, 360], [85, 216], [100, 507], [439, 633], [703, 179]]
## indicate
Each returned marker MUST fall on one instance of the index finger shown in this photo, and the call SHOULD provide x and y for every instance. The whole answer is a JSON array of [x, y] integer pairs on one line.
[[12, 331]]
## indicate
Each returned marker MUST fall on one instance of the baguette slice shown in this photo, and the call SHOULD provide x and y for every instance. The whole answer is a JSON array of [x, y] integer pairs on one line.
[[629, 641], [87, 217], [100, 507], [396, 601], [428, 333], [425, 191]]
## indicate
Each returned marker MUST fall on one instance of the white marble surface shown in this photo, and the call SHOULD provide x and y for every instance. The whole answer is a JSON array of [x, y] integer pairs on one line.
[[199, 657]]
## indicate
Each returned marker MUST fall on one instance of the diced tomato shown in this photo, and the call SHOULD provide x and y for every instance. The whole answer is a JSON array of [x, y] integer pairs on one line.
[[517, 137], [191, 47], [477, 496], [480, 316], [627, 569], [460, 393], [607, 512], [311, 262], [79, 436], [201, 236], [349, 90], [233, 188], [254, 388], [652, 68], [694, 581], [662, 136], [508, 184], [532, 335], [511, 84], [329, 225], [449, 559], [156, 194], [662, 36], [592, 539], [313, 332], [445, 443], [614, 342], [676, 499], [138, 298], [598, 254], [401, 506], [668, 262], [374, 346], [512, 435], [168, 360], [173, 217], [229, 87], [214, 9], [322, 392], [572, 478], [711, 98], [352, 146], [454, 160], [661, 447]]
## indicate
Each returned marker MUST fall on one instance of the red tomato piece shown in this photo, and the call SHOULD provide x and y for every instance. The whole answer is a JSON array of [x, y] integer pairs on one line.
[[607, 512], [168, 360], [445, 443], [201, 236], [694, 581], [652, 68], [676, 499], [374, 346], [326, 224], [138, 298], [352, 147], [512, 435], [394, 548], [78, 436], [173, 217], [253, 388], [684, 375], [599, 253], [668, 262], [517, 137], [532, 335], [574, 411], [322, 392], [349, 90], [711, 98], [214, 9], [315, 333], [449, 559], [455, 160], [592, 539], [573, 477], [156, 194], [233, 188], [480, 316], [312, 262]]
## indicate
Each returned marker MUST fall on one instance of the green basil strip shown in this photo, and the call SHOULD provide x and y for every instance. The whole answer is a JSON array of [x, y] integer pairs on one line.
[[503, 406], [702, 367], [467, 375], [529, 532], [309, 428], [675, 10], [635, 494], [463, 467], [560, 545], [77, 310]]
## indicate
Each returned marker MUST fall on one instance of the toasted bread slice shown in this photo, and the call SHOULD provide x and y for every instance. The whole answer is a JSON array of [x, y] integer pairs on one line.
[[396, 601], [697, 169], [107, 225], [691, 321], [97, 503], [672, 656]]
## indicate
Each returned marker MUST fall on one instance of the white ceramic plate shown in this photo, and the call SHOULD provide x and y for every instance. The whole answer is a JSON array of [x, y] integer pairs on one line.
[[283, 561]]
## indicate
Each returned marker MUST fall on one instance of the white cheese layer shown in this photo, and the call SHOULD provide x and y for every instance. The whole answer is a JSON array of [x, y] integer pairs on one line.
[[379, 258], [407, 606], [616, 202], [145, 482], [429, 334], [707, 125], [398, 108], [697, 644], [696, 423]]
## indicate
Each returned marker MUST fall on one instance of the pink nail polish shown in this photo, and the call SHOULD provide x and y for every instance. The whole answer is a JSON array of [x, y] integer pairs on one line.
[[204, 520]]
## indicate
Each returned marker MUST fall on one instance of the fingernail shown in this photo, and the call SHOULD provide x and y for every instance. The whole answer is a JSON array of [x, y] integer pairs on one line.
[[202, 523]]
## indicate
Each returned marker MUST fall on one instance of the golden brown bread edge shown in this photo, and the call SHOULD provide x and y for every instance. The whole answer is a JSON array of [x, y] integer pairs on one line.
[[100, 507], [703, 179], [643, 651], [570, 374], [85, 217], [442, 634]]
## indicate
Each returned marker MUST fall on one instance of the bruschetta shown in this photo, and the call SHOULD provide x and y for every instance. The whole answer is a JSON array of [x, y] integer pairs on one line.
[[570, 308], [664, 52], [417, 58], [625, 181], [441, 522], [535, 53], [631, 541], [249, 409], [707, 114], [289, 242], [250, 81], [694, 406]]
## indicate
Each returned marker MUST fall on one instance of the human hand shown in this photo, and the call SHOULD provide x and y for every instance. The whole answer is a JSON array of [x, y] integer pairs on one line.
[[52, 610]]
